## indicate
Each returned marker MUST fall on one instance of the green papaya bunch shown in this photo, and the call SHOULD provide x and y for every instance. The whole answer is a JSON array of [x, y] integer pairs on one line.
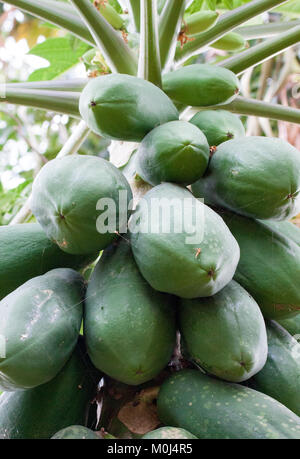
[[191, 254]]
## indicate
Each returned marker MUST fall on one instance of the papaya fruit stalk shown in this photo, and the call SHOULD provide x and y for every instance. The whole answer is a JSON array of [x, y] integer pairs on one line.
[[59, 101], [266, 30]]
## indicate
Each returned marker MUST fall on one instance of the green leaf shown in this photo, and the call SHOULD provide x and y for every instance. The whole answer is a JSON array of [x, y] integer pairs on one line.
[[195, 7], [292, 8], [61, 53], [211, 4], [228, 4], [115, 4]]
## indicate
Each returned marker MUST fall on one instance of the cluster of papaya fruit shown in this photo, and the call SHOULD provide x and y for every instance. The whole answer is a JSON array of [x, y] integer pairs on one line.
[[221, 281]]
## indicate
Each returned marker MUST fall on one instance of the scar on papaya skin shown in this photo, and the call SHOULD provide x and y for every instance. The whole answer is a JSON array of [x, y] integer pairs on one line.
[[198, 251], [212, 151], [211, 272], [139, 372]]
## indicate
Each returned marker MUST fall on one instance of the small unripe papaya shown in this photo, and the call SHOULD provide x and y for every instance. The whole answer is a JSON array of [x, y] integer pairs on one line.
[[66, 201], [199, 22], [174, 152], [181, 246], [76, 433], [201, 85], [168, 433], [123, 107], [258, 177], [225, 334], [218, 126], [230, 42]]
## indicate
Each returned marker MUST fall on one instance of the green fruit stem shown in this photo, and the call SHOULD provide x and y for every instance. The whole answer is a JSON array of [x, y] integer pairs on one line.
[[261, 52], [52, 11], [244, 106], [72, 85], [149, 60], [57, 101], [169, 27], [116, 52], [266, 30], [226, 23]]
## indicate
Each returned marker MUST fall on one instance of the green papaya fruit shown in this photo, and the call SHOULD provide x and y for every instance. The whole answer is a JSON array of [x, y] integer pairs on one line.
[[218, 126], [26, 252], [76, 433], [174, 152], [232, 41], [40, 322], [280, 377], [123, 107], [69, 196], [292, 325], [129, 328], [180, 245], [201, 85], [269, 267], [41, 412], [288, 229], [225, 334], [254, 176], [168, 433], [199, 22], [213, 409]]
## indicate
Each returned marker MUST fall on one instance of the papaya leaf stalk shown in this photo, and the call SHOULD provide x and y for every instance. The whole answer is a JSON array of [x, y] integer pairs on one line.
[[135, 12], [226, 23], [53, 12], [169, 27], [71, 85], [261, 52], [266, 30], [56, 101], [117, 54], [245, 106], [149, 61]]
